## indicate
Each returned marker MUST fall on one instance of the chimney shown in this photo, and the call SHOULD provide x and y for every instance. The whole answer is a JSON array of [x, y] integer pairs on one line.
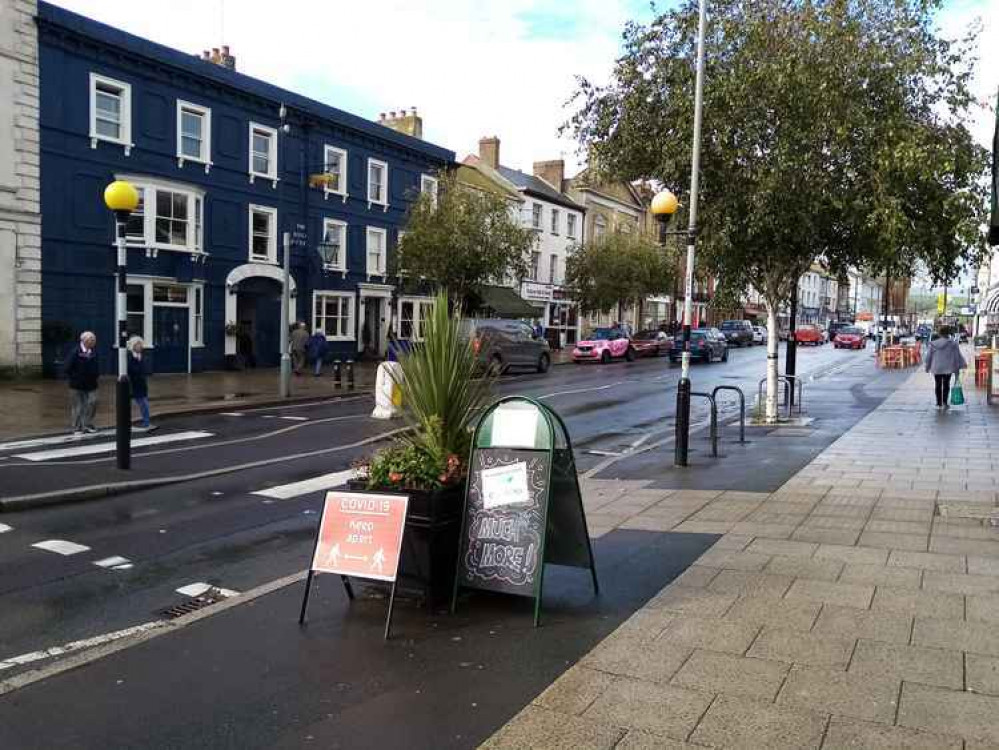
[[407, 123], [228, 61], [489, 151], [552, 172]]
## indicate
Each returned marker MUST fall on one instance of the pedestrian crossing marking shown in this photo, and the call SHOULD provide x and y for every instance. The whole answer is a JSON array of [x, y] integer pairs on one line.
[[61, 547], [88, 450], [323, 482]]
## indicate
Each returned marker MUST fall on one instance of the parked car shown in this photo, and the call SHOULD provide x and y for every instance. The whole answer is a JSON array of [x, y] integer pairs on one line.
[[706, 344], [836, 326], [504, 344], [759, 334], [850, 338], [737, 332], [604, 345], [809, 334], [650, 343]]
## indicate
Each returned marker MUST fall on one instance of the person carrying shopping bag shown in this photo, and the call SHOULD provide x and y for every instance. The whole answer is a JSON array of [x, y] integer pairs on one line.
[[943, 360]]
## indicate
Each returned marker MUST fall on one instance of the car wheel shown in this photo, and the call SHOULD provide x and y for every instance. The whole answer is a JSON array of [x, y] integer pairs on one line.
[[630, 354], [544, 362], [605, 358]]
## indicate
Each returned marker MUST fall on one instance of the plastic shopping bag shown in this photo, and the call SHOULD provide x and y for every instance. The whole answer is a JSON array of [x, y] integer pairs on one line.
[[957, 392]]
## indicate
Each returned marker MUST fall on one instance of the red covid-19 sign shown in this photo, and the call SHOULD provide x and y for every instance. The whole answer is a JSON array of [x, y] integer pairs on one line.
[[361, 535]]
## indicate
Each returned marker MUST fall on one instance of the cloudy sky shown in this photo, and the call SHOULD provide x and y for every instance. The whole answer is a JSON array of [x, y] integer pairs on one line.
[[471, 67]]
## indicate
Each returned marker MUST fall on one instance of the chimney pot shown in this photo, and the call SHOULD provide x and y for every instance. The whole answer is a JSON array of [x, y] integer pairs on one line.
[[489, 151], [413, 111], [225, 50]]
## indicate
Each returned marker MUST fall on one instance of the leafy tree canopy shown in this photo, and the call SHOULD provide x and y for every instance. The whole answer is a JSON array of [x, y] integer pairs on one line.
[[832, 129], [463, 239]]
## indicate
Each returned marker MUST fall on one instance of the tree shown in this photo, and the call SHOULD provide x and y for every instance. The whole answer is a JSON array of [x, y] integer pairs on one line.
[[832, 130], [617, 269], [463, 238]]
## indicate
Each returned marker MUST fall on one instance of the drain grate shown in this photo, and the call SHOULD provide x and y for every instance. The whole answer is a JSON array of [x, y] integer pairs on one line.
[[210, 597]]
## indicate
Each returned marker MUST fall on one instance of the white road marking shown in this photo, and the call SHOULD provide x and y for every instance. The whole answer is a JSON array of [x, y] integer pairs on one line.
[[61, 547], [604, 453], [581, 390], [199, 588], [4, 528], [67, 648], [296, 419], [87, 450], [324, 482], [52, 440], [230, 414], [113, 562]]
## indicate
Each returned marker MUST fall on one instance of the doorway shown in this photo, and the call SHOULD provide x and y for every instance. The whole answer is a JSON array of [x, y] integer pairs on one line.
[[170, 338], [373, 330], [258, 316]]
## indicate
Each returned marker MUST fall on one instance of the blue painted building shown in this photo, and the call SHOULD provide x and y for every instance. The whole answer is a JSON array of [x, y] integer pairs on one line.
[[225, 165]]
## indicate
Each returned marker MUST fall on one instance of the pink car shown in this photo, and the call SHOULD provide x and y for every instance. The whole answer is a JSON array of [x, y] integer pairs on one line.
[[605, 344]]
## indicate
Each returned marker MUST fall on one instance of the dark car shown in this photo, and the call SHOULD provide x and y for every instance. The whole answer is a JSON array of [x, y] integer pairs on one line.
[[504, 344], [706, 345], [650, 343], [737, 332]]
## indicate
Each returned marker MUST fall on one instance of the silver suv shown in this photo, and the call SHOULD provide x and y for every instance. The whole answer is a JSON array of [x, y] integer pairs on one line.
[[504, 344]]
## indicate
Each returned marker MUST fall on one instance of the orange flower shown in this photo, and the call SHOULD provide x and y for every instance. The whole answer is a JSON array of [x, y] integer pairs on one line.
[[395, 476]]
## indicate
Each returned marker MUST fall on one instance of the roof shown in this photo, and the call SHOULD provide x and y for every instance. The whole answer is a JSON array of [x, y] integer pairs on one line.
[[81, 25], [504, 302], [582, 183], [536, 186]]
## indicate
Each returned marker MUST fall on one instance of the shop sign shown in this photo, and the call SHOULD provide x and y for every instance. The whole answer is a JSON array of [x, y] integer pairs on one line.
[[533, 290]]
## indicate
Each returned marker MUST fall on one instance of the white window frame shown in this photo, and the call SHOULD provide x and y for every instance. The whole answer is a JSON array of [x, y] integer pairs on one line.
[[195, 230], [342, 153], [552, 268], [570, 226], [418, 316], [342, 226], [535, 265], [367, 252], [196, 328], [429, 184], [272, 154], [272, 235], [125, 92], [351, 314], [384, 196], [555, 228], [196, 300], [205, 157], [537, 216]]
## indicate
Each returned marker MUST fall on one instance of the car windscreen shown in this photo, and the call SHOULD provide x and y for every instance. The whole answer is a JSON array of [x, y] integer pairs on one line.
[[606, 334], [646, 335], [849, 331]]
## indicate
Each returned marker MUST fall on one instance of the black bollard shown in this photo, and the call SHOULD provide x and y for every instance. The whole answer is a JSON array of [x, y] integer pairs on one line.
[[123, 423], [682, 422], [350, 374], [337, 374]]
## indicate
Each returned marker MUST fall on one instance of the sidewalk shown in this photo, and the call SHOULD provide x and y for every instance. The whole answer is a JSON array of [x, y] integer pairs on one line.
[[841, 611], [38, 407]]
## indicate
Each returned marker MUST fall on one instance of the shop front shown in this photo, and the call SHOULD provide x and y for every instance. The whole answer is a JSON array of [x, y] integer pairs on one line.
[[558, 315]]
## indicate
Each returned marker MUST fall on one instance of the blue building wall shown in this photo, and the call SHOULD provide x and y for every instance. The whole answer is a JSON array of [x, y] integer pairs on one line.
[[77, 230]]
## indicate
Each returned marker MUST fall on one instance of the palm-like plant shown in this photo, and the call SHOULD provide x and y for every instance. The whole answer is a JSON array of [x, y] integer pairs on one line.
[[441, 388]]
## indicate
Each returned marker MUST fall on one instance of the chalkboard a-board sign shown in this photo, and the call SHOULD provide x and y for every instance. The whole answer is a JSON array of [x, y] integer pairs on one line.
[[523, 507]]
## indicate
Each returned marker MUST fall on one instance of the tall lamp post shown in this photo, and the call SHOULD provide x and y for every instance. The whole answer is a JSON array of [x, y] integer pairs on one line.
[[122, 198]]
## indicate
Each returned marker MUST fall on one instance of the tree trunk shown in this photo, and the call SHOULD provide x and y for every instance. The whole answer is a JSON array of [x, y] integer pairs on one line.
[[773, 338]]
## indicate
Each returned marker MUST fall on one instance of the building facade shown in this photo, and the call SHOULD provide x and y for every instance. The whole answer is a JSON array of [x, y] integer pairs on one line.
[[20, 219], [226, 165]]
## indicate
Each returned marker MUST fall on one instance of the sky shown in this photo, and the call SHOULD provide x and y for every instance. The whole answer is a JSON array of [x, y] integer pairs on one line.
[[472, 68]]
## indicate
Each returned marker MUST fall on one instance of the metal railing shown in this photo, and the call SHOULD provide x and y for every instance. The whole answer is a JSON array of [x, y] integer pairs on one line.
[[790, 382], [742, 407], [714, 420]]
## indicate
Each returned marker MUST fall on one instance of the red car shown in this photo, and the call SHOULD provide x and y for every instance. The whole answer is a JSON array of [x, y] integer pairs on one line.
[[650, 343], [604, 345], [809, 334], [850, 338]]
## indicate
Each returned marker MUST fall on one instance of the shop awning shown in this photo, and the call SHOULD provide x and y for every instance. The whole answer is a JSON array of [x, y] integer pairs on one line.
[[504, 302]]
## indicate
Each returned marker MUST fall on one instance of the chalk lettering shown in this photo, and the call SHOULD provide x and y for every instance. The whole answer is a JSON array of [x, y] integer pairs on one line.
[[504, 529], [502, 556]]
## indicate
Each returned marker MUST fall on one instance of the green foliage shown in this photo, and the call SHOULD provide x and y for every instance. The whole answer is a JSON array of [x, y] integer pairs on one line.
[[441, 395], [832, 130], [616, 269], [467, 238]]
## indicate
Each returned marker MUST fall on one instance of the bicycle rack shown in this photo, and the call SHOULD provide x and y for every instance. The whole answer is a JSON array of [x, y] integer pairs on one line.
[[789, 381], [714, 420], [742, 407]]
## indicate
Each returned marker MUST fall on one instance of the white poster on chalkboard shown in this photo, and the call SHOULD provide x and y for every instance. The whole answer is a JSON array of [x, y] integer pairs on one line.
[[504, 485], [514, 427]]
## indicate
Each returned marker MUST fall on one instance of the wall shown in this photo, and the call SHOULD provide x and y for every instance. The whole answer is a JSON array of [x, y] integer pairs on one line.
[[20, 248]]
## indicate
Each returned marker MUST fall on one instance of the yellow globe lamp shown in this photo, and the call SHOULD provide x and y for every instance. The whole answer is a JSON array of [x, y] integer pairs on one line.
[[664, 204], [121, 197]]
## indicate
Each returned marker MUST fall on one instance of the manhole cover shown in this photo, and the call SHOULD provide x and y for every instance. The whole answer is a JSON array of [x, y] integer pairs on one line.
[[210, 597]]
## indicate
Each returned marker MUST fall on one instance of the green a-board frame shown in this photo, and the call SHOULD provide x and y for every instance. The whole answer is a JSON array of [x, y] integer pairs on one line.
[[551, 437]]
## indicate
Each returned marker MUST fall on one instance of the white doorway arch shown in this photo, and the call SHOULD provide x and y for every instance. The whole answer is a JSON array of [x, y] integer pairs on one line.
[[247, 271]]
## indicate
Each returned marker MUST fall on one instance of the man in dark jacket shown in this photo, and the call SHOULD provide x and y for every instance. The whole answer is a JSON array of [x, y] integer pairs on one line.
[[316, 350], [82, 370]]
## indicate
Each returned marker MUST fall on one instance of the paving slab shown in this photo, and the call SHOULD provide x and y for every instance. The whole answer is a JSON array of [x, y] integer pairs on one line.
[[781, 644], [882, 575], [711, 672], [649, 706], [982, 673], [638, 740], [920, 603], [729, 636], [845, 622], [956, 712], [850, 734], [929, 666], [537, 728], [927, 561], [837, 692], [976, 637], [797, 615], [745, 724], [842, 594], [575, 691], [750, 583]]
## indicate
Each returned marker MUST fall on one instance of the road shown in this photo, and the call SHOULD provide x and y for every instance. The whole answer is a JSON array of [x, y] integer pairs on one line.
[[128, 555]]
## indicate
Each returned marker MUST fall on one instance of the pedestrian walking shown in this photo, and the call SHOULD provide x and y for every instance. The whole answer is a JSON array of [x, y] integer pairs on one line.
[[944, 359], [299, 342], [137, 379], [316, 349], [82, 370]]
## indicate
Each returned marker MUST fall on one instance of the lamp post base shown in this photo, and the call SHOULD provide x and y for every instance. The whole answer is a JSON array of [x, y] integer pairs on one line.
[[123, 423], [682, 422], [284, 388]]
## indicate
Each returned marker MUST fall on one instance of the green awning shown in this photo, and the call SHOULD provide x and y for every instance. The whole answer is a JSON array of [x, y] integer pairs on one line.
[[504, 302]]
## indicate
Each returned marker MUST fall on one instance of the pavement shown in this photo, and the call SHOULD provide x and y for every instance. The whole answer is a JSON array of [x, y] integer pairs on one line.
[[41, 406]]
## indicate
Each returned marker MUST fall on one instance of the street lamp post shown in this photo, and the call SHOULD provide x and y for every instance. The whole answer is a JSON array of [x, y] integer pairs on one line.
[[122, 198]]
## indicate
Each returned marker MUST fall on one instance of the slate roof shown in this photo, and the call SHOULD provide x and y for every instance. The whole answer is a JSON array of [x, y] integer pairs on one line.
[[532, 185]]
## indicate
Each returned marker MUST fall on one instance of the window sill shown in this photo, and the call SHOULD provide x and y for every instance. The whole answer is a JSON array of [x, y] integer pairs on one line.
[[182, 160], [335, 269], [272, 178], [343, 196], [340, 338], [265, 261], [385, 206], [95, 139]]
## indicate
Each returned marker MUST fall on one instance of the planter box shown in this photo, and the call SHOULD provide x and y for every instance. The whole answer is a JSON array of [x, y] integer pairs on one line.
[[429, 553]]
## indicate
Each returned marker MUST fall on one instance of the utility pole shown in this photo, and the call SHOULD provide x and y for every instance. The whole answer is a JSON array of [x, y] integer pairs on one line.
[[284, 387], [683, 388]]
